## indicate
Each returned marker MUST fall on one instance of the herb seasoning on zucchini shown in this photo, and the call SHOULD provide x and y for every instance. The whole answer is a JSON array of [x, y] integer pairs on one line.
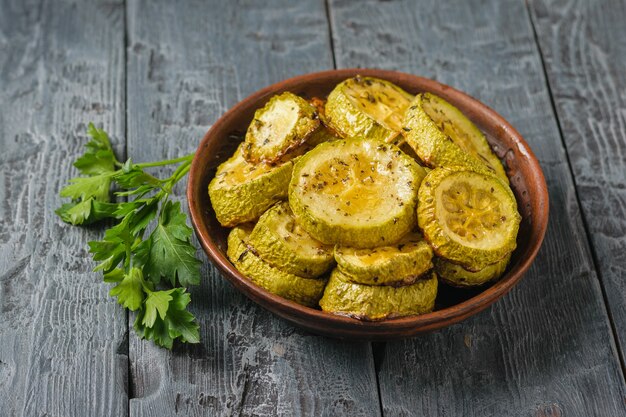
[[367, 107], [443, 137], [402, 263], [282, 125], [241, 191], [355, 192]]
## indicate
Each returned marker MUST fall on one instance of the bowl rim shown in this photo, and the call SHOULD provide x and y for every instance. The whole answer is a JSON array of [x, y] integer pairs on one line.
[[439, 318]]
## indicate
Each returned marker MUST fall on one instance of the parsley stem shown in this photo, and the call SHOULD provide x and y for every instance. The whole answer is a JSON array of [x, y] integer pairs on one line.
[[166, 162], [180, 172]]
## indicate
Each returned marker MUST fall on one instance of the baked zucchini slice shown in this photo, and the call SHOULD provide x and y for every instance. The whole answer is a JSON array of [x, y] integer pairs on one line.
[[282, 124], [402, 263], [377, 302], [457, 276], [367, 107], [241, 191], [443, 137], [322, 134], [320, 106], [303, 291], [355, 192], [469, 218], [281, 242], [407, 149]]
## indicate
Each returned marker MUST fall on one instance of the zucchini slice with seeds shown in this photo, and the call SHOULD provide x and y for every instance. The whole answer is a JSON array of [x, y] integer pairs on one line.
[[443, 137], [403, 262], [303, 291], [377, 302], [241, 192], [281, 242], [355, 192], [282, 124], [457, 276], [469, 218], [368, 107]]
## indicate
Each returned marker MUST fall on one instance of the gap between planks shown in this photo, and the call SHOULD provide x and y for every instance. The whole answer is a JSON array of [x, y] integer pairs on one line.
[[130, 389]]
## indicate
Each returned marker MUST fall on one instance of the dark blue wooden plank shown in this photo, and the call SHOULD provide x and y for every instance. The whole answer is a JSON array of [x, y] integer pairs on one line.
[[62, 338], [188, 63], [584, 50], [546, 348]]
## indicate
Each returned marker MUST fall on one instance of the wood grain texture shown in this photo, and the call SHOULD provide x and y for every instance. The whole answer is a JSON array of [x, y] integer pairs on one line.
[[62, 338], [584, 49], [546, 348], [186, 66]]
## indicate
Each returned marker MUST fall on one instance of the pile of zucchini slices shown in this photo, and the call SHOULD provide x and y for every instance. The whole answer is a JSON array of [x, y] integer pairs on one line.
[[362, 203]]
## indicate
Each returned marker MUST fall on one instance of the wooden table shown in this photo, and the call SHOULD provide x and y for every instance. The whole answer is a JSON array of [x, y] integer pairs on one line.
[[157, 73]]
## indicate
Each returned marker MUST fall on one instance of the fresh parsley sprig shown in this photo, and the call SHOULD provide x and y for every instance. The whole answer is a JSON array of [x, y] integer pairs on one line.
[[150, 272]]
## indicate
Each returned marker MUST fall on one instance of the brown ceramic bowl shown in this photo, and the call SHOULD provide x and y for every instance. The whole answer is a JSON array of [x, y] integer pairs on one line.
[[453, 305]]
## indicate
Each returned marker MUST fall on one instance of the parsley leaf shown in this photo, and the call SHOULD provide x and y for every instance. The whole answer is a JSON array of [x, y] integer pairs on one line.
[[83, 188], [139, 213], [177, 323], [99, 157], [129, 291], [86, 212], [115, 275], [157, 301], [100, 162], [114, 248], [171, 254], [133, 176]]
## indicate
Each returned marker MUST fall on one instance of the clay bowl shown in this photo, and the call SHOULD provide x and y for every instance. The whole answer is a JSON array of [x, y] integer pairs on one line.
[[453, 305]]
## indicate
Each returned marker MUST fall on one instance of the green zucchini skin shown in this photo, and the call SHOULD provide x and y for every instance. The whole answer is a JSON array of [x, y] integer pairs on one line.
[[353, 116], [303, 291], [322, 218], [368, 302], [457, 276], [282, 125], [431, 219], [434, 147], [463, 133], [403, 263], [278, 240], [237, 200]]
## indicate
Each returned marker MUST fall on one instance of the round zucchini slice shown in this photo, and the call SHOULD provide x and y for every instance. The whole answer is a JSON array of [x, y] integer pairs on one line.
[[378, 302], [402, 263], [303, 291], [443, 137], [241, 191], [457, 276], [368, 107], [281, 242], [469, 218], [355, 192], [282, 124]]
